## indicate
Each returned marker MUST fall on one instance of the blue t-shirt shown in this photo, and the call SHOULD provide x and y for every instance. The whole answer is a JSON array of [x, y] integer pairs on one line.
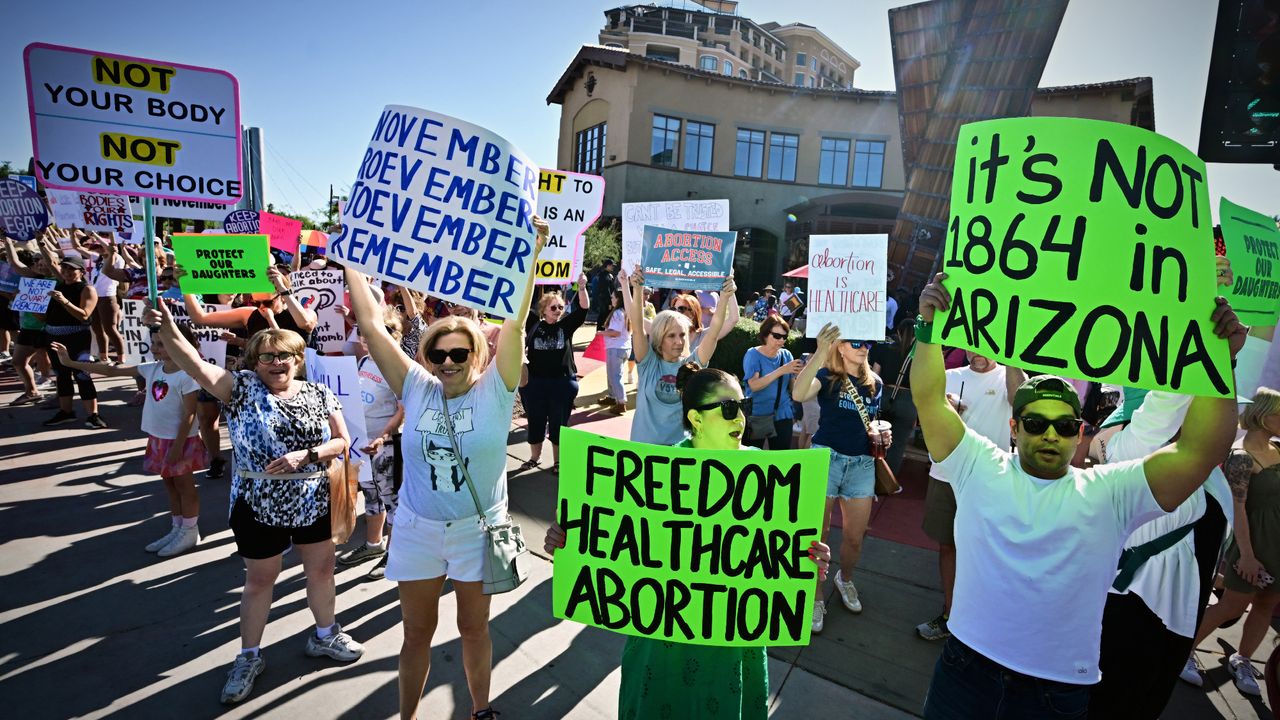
[[766, 400], [840, 426], [657, 418]]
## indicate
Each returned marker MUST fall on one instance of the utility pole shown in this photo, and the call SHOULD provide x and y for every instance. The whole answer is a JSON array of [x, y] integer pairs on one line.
[[330, 214]]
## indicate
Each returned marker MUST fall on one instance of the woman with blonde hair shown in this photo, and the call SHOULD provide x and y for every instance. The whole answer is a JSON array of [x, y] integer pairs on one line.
[[848, 392], [1253, 556], [553, 376], [457, 412]]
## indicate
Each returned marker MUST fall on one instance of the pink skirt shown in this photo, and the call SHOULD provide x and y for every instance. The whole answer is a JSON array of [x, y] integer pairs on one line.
[[194, 457]]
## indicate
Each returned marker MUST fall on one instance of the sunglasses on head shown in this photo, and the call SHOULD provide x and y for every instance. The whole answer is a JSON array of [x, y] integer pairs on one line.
[[271, 358], [1037, 425], [855, 344], [728, 408], [457, 355], [777, 335]]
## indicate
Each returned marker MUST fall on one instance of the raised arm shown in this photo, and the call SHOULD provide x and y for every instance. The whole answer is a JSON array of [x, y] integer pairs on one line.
[[510, 350], [215, 380], [634, 283], [368, 316], [1176, 470], [304, 318], [11, 253], [709, 341], [806, 385], [943, 429], [109, 268], [584, 300], [231, 318], [97, 368]]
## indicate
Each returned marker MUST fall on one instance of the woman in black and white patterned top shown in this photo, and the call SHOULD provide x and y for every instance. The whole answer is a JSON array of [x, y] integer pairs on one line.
[[284, 432]]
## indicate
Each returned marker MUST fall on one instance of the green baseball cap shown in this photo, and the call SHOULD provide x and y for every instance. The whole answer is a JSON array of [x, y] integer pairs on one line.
[[1045, 387]]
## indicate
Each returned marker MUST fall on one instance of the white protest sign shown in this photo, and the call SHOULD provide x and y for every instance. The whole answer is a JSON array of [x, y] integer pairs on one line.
[[847, 285], [33, 295], [445, 207], [118, 124], [710, 215], [569, 202], [342, 375], [185, 209], [137, 338], [96, 212], [321, 291]]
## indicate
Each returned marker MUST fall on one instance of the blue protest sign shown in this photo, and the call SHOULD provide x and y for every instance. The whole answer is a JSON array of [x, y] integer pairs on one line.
[[686, 259], [241, 222], [22, 212], [445, 207], [28, 180]]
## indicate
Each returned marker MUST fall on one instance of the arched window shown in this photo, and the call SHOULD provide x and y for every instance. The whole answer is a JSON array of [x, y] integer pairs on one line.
[[708, 63], [728, 68]]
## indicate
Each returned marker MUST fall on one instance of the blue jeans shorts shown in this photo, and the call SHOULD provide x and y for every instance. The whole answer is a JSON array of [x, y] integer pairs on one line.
[[850, 476]]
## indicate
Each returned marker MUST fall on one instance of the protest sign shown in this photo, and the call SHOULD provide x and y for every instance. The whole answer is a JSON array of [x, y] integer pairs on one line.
[[847, 281], [96, 212], [33, 295], [28, 180], [129, 125], [283, 231], [9, 278], [241, 222], [185, 209], [686, 260], [321, 291], [137, 338], [1081, 248], [22, 212], [1253, 247], [694, 546], [692, 215], [223, 263], [341, 375], [569, 202], [445, 207]]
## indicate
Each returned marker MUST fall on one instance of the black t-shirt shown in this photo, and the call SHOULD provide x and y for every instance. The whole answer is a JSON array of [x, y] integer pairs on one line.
[[549, 347], [284, 319], [890, 355], [58, 315]]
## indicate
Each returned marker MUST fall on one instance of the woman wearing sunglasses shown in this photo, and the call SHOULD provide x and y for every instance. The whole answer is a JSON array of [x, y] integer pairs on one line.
[[284, 431], [769, 368], [553, 376], [689, 305], [670, 679], [660, 351], [263, 311], [846, 389], [459, 400]]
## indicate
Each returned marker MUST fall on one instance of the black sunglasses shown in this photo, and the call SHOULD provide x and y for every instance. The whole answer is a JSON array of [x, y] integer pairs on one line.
[[1036, 425], [855, 344], [778, 336], [728, 408], [457, 355]]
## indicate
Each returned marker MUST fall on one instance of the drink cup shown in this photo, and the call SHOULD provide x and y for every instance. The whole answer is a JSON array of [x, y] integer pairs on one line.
[[878, 429]]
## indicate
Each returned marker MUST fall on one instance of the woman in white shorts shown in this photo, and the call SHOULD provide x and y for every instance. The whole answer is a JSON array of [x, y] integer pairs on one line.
[[438, 531]]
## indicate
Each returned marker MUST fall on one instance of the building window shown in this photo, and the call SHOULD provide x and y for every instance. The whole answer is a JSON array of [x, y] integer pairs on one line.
[[801, 59], [800, 79], [708, 63], [833, 162], [813, 64], [782, 156], [589, 149], [868, 163], [728, 68], [749, 156], [698, 139], [742, 73], [666, 136], [811, 81]]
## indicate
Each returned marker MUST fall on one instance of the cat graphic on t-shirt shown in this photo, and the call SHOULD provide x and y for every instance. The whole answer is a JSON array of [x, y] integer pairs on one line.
[[444, 463]]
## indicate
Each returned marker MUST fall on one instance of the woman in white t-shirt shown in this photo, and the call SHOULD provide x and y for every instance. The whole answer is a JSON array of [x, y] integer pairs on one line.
[[617, 347], [457, 420], [174, 449], [105, 320]]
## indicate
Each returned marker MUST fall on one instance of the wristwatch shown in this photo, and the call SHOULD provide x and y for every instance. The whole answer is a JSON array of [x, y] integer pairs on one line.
[[284, 292], [312, 455]]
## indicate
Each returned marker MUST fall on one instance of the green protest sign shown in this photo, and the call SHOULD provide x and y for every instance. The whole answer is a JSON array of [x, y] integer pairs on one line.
[[223, 263], [1253, 247], [695, 546], [1084, 248]]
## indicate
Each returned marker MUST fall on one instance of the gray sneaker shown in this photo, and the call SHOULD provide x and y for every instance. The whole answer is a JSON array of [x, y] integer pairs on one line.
[[240, 678], [848, 593], [935, 629], [155, 545], [339, 646], [182, 542], [1245, 674], [1191, 672], [362, 553]]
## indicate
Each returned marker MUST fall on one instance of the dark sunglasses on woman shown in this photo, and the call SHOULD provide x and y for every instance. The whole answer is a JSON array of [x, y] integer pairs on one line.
[[1065, 427], [855, 344], [728, 408], [457, 355], [778, 335]]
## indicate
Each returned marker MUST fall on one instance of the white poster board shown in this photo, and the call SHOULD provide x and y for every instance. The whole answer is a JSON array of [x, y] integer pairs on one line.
[[570, 202], [322, 291], [847, 281], [678, 215], [185, 209], [137, 338], [445, 207], [341, 375], [96, 212], [33, 295]]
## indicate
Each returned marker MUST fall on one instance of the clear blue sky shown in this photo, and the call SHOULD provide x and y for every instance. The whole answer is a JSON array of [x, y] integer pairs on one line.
[[314, 75]]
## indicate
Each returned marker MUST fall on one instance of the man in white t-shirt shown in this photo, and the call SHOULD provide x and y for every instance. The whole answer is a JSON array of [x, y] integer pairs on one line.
[[1037, 540], [982, 392]]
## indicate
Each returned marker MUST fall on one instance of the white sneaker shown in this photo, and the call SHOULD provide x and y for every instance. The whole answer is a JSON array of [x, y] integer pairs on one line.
[[241, 676], [156, 545], [848, 594], [819, 611], [1191, 672], [182, 542], [339, 646], [1245, 674]]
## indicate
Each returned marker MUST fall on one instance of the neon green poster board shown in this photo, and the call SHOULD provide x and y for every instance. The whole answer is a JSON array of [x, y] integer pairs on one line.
[[1253, 247], [1085, 249], [223, 263], [695, 546]]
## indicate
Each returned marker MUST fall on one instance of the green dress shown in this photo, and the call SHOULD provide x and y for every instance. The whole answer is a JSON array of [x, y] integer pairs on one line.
[[662, 680], [1262, 507]]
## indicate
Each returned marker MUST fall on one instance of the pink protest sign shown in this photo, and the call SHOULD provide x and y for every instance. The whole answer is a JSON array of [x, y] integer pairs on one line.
[[283, 231]]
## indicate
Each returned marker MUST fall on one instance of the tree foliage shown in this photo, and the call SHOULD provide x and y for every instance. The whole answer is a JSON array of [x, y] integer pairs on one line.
[[603, 240]]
